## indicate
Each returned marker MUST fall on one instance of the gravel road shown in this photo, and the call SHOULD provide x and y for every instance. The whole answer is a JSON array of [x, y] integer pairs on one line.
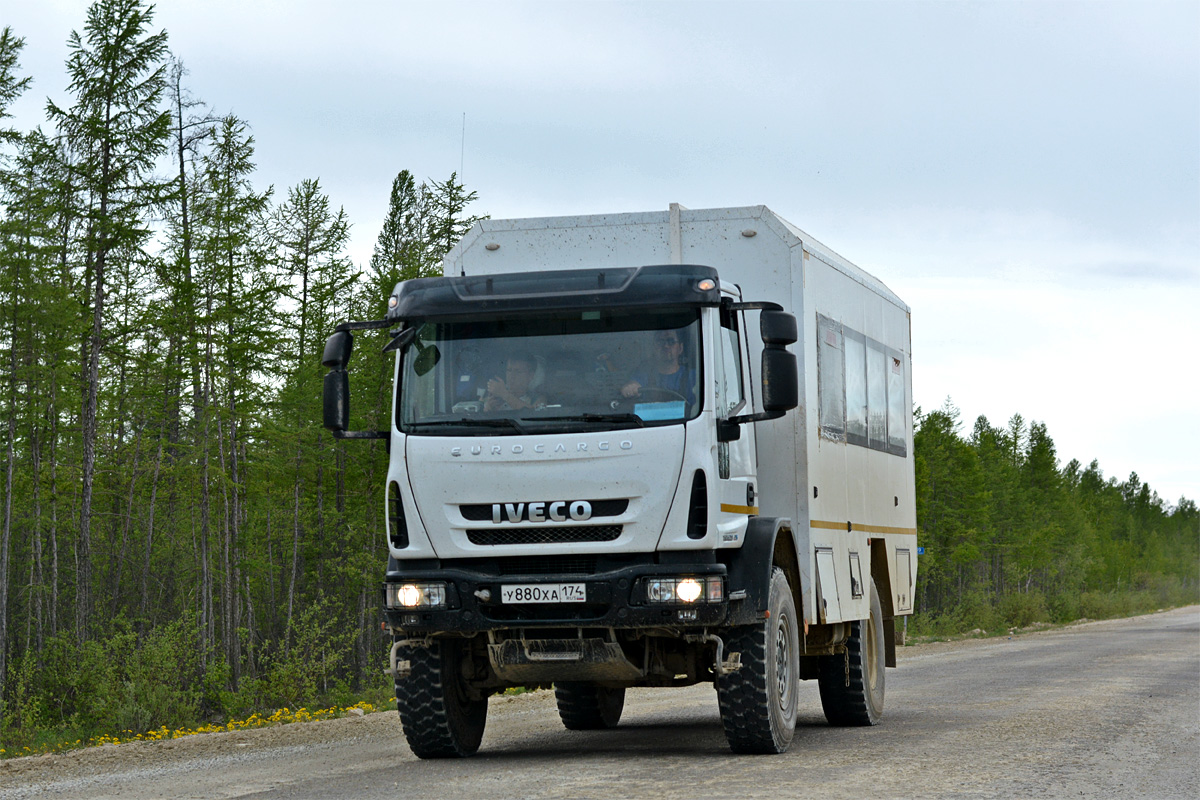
[[1102, 709]]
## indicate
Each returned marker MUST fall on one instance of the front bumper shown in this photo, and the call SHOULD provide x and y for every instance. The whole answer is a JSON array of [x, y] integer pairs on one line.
[[613, 599]]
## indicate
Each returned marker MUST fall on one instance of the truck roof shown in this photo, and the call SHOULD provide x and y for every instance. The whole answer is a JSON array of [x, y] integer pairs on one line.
[[668, 228]]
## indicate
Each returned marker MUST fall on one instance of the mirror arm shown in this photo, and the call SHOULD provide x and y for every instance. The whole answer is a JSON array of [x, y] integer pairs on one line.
[[370, 325], [729, 430], [759, 305], [361, 434], [760, 416], [401, 340]]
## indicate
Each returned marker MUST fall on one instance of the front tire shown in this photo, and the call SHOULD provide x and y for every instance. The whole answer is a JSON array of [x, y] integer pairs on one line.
[[758, 701], [851, 683], [588, 707], [440, 717]]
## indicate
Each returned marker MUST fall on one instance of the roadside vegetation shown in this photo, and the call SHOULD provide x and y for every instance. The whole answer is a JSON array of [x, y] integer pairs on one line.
[[184, 548], [1011, 539]]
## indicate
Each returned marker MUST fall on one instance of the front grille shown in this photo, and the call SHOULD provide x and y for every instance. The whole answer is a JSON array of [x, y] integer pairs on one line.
[[481, 512], [548, 565], [564, 535]]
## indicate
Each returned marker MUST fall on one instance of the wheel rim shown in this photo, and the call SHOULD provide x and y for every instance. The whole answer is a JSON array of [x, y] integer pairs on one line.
[[872, 654], [783, 660]]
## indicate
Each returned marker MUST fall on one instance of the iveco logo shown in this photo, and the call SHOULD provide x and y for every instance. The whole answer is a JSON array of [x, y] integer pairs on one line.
[[557, 511]]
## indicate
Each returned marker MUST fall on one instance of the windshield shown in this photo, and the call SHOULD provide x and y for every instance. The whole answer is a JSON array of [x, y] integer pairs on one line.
[[589, 370]]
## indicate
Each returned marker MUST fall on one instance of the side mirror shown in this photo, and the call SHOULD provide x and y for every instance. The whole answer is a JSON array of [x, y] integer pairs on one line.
[[778, 327], [427, 358], [337, 400], [337, 350], [336, 391], [780, 379]]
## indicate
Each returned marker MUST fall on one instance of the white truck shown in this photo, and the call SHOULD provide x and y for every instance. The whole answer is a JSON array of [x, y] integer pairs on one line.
[[608, 470]]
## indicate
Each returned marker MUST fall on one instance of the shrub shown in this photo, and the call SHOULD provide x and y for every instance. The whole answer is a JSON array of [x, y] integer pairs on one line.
[[1022, 609], [1063, 607]]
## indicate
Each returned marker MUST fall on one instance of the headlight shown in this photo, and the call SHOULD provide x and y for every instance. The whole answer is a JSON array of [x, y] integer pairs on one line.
[[689, 589], [660, 590], [684, 590], [416, 595]]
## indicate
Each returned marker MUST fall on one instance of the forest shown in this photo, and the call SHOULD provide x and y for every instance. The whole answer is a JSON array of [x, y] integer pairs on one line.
[[183, 542]]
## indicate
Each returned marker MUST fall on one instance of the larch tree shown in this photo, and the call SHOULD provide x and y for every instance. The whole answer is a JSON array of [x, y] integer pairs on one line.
[[403, 249], [310, 239], [11, 87], [116, 128], [242, 295], [449, 220]]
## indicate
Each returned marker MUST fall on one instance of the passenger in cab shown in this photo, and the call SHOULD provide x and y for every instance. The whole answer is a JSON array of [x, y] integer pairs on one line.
[[519, 387], [666, 371]]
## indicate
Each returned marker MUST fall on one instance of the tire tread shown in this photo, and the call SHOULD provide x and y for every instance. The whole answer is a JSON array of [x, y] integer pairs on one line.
[[847, 705], [435, 724], [744, 697], [581, 706]]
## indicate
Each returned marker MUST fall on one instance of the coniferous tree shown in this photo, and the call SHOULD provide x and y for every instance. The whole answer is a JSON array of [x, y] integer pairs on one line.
[[11, 87], [449, 220], [189, 131], [403, 250], [310, 240], [26, 284], [242, 296], [117, 129]]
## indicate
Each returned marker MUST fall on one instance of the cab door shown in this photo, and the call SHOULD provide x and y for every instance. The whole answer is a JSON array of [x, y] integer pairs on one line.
[[737, 490]]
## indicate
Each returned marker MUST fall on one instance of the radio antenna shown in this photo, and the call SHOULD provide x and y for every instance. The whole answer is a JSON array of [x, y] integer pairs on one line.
[[463, 152]]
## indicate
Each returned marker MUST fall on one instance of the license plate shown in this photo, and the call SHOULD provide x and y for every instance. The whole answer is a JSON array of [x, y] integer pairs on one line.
[[543, 593]]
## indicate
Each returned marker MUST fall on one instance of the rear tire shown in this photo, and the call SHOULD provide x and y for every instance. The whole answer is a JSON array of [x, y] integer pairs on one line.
[[852, 683], [758, 701], [588, 707], [440, 717]]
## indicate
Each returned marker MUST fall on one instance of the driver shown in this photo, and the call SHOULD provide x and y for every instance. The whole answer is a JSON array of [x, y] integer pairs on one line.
[[516, 390], [666, 370]]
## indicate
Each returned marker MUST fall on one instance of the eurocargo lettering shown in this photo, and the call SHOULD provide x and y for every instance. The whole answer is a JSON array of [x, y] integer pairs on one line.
[[648, 449]]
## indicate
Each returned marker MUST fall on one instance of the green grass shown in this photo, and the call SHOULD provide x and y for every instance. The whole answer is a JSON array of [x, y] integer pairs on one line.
[[976, 617]]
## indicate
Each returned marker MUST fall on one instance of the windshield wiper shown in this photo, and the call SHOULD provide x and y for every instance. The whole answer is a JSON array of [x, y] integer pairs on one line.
[[487, 422], [634, 418]]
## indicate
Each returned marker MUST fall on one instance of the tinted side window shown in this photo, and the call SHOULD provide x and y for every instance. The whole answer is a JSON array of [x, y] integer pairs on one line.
[[877, 417], [895, 392], [860, 389], [856, 387], [831, 390]]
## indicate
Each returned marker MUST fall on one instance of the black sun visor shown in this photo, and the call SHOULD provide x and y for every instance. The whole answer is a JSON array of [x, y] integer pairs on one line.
[[476, 296]]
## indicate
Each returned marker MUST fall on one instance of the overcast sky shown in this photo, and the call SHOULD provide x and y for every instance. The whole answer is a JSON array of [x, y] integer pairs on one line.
[[1025, 175]]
